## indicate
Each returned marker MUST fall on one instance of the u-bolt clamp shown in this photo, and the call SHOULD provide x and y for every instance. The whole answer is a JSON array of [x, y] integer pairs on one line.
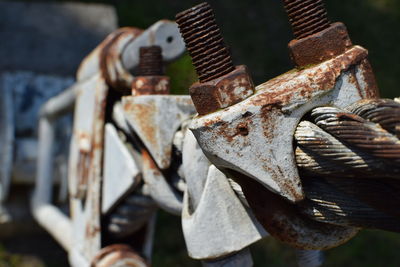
[[248, 132]]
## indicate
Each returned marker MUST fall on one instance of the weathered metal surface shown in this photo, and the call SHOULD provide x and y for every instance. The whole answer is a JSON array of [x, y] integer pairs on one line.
[[164, 34], [166, 196], [120, 172], [317, 40], [223, 91], [221, 84], [284, 221], [351, 152], [118, 256], [195, 168], [117, 56], [320, 153], [85, 166], [150, 79], [321, 46], [150, 61], [155, 119], [214, 221], [220, 225], [204, 41], [247, 137], [119, 118], [306, 16], [150, 85], [106, 59], [384, 112], [359, 133]]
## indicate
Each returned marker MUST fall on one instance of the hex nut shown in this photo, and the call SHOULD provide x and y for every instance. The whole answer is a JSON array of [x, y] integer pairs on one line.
[[320, 46], [150, 85], [222, 92]]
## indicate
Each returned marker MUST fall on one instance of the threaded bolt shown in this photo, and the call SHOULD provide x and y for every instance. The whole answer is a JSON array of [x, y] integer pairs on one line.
[[150, 61], [204, 42], [307, 17]]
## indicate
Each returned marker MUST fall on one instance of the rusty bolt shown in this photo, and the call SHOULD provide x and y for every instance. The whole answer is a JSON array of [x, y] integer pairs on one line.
[[306, 16], [150, 79], [150, 61], [221, 83], [317, 40]]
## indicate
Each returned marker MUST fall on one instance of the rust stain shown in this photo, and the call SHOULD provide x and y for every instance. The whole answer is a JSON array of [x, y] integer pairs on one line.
[[110, 54], [142, 112], [150, 85], [224, 91], [242, 129], [91, 231], [371, 89], [284, 89]]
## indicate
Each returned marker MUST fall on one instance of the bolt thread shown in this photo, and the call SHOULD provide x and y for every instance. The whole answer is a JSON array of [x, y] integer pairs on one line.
[[307, 17], [204, 41], [150, 61]]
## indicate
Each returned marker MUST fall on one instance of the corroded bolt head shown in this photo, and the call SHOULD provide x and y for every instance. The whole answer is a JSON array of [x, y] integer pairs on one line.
[[150, 85], [321, 46], [222, 92]]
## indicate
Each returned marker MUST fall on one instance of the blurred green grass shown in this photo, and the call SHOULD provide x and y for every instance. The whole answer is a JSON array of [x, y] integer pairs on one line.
[[258, 32]]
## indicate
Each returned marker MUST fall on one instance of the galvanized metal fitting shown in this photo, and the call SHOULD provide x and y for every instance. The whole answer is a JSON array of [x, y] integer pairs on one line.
[[317, 40], [150, 79], [221, 84]]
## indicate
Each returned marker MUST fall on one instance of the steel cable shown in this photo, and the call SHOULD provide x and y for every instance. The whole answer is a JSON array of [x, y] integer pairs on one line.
[[349, 163]]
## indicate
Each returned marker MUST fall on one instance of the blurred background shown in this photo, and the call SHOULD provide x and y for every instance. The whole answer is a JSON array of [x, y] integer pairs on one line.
[[257, 32]]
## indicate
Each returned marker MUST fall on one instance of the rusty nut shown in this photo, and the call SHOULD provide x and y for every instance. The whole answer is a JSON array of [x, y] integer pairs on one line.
[[150, 85], [222, 92], [320, 46]]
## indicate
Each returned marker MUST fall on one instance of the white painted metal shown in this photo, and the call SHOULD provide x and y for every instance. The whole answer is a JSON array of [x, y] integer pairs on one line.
[[120, 172], [163, 33], [220, 225], [156, 118], [85, 166], [48, 215], [166, 197], [266, 152]]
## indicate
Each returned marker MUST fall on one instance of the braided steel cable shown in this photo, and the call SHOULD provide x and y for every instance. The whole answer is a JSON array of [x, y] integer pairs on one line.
[[349, 162]]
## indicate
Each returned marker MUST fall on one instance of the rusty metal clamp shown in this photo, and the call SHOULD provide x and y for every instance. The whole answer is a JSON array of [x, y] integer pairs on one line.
[[251, 137]]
